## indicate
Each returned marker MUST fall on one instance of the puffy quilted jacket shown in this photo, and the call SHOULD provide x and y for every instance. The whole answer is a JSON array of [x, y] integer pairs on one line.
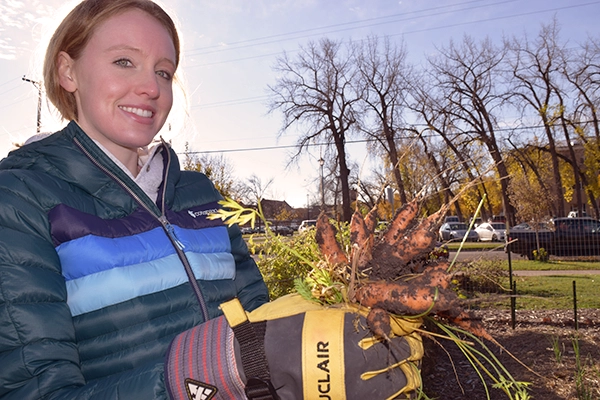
[[93, 283]]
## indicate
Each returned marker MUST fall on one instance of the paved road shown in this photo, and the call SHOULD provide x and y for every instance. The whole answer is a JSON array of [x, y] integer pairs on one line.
[[476, 255]]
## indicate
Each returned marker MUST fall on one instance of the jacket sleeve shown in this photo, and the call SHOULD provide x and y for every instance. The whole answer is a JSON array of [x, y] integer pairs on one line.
[[38, 352]]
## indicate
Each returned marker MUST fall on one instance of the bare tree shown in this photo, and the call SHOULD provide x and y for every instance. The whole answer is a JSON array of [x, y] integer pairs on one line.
[[471, 100], [564, 122], [535, 67], [582, 71], [383, 73], [370, 191], [448, 149], [254, 189], [315, 92]]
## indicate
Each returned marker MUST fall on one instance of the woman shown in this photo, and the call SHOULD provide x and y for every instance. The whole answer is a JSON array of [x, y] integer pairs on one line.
[[98, 233]]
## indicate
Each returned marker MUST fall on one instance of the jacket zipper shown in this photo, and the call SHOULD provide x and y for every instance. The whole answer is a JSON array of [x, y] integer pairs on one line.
[[164, 222]]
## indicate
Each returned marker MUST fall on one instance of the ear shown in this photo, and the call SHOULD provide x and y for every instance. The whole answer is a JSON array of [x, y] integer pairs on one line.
[[66, 72]]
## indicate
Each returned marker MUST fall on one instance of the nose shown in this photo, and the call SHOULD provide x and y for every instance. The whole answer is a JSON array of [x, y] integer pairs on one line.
[[148, 84]]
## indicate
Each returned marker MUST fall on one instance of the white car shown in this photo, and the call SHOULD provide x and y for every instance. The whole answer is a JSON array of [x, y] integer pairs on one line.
[[307, 224], [491, 231]]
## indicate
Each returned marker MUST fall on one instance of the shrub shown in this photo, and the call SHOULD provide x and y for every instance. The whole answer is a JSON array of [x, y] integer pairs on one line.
[[541, 255], [281, 260], [484, 276]]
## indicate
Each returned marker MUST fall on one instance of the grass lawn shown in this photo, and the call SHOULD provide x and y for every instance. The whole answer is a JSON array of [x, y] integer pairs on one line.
[[453, 246], [548, 293], [556, 292], [545, 292]]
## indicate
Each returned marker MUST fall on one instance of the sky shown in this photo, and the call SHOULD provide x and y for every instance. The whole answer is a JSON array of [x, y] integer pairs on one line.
[[230, 48]]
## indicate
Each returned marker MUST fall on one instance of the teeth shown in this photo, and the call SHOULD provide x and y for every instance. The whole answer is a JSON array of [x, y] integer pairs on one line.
[[138, 111]]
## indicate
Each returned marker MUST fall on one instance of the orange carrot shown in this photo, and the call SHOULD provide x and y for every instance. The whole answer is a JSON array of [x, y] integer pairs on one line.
[[402, 249], [378, 321], [371, 220], [435, 276], [401, 222], [465, 320], [358, 229], [328, 244], [404, 298], [419, 242], [361, 239]]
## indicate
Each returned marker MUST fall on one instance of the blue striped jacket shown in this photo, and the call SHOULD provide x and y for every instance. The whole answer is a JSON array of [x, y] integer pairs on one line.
[[94, 274]]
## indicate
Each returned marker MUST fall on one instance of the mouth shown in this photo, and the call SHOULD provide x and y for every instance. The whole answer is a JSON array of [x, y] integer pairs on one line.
[[138, 111]]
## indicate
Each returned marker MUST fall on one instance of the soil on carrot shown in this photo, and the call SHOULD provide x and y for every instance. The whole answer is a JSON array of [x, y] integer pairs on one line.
[[542, 340]]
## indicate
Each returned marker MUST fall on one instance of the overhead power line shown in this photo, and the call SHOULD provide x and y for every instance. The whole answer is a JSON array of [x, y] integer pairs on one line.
[[291, 146], [262, 98], [233, 102], [376, 21], [334, 28]]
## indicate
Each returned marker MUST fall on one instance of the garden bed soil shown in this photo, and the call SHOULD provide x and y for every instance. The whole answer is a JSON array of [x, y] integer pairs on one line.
[[447, 375]]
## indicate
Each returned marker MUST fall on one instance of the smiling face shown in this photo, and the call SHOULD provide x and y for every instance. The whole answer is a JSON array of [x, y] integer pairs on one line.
[[122, 82]]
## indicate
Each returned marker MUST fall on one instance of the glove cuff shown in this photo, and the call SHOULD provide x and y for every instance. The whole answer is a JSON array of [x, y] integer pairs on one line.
[[201, 363], [250, 337]]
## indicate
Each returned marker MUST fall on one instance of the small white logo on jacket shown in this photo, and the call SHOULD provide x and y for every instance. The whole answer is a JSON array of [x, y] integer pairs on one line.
[[201, 213]]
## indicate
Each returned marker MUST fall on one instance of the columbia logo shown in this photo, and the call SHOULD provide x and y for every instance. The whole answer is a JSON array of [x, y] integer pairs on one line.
[[199, 391], [195, 214]]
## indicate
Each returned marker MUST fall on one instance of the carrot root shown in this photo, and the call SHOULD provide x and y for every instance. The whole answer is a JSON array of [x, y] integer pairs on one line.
[[328, 244], [401, 222], [378, 321]]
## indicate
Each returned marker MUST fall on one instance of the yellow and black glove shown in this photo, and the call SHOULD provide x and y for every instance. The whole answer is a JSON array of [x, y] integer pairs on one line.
[[292, 348]]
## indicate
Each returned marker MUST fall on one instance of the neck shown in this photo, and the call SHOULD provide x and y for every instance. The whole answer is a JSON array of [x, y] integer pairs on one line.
[[128, 156]]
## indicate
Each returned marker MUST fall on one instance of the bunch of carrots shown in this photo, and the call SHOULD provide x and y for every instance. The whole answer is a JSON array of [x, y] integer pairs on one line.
[[392, 273]]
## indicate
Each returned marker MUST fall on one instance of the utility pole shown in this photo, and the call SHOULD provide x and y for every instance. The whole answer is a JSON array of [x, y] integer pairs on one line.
[[38, 86], [321, 163], [307, 207]]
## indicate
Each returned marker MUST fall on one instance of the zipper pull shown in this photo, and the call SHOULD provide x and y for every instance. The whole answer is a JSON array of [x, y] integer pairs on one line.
[[171, 232]]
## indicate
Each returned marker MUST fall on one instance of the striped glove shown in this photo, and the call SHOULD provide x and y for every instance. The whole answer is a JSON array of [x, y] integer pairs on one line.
[[292, 348]]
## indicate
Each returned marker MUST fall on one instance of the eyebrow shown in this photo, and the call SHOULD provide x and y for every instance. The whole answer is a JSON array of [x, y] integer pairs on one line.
[[120, 47]]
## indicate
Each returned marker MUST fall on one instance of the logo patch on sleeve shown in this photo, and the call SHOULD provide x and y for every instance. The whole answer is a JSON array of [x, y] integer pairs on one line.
[[199, 391]]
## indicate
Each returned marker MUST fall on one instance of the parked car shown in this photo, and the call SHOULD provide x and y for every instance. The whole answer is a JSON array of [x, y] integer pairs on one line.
[[307, 224], [283, 230], [570, 237], [524, 226], [491, 231], [247, 230], [457, 231]]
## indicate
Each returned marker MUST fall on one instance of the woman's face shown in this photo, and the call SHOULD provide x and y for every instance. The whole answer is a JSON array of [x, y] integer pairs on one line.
[[123, 81]]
